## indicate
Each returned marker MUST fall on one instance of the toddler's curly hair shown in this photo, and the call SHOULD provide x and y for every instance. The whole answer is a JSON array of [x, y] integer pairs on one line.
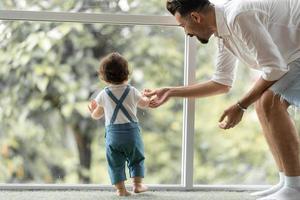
[[114, 69]]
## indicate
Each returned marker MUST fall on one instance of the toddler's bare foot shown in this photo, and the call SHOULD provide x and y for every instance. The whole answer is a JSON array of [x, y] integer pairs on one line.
[[123, 193], [121, 189], [139, 188]]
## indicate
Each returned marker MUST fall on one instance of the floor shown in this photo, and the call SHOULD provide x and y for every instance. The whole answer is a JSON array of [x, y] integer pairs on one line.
[[107, 195]]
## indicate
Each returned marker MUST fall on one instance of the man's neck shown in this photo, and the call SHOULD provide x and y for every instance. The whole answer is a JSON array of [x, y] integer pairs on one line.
[[212, 20]]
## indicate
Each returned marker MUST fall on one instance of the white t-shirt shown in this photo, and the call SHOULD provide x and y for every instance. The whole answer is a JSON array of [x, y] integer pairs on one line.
[[130, 103]]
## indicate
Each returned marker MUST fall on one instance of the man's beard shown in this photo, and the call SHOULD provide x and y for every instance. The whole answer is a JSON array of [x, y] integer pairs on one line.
[[203, 41]]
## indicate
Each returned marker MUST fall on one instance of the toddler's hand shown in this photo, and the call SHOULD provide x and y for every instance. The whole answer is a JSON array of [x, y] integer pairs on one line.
[[92, 106], [150, 94]]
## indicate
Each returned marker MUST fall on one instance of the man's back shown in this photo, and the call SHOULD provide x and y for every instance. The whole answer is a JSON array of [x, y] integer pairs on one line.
[[279, 11], [263, 34], [281, 18]]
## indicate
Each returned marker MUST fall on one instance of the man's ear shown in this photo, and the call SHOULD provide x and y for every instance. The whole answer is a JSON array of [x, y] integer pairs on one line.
[[196, 17]]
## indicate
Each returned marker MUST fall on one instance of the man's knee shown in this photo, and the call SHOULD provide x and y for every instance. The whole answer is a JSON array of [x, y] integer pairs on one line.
[[269, 103]]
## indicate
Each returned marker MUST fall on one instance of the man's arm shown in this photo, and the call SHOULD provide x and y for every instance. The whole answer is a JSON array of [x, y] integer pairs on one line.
[[255, 93], [233, 115], [251, 28], [204, 89]]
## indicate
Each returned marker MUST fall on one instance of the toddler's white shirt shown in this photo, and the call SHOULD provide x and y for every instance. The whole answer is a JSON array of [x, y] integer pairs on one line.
[[130, 103]]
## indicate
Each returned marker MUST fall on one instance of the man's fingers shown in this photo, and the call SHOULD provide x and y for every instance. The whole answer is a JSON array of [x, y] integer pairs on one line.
[[230, 125], [222, 125], [154, 104], [222, 117], [150, 93], [146, 90]]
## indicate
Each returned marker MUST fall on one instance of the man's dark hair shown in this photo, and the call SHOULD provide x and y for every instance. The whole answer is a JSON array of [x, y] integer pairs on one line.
[[184, 7], [114, 69]]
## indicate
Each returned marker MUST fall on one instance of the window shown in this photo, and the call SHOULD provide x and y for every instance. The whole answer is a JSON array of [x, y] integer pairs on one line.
[[48, 75], [152, 7]]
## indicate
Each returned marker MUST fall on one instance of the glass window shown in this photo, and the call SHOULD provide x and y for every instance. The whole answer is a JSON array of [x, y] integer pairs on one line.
[[140, 7], [48, 73], [152, 7], [235, 156]]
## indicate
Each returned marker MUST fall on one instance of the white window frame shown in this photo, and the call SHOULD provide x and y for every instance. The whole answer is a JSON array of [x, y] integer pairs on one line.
[[187, 182]]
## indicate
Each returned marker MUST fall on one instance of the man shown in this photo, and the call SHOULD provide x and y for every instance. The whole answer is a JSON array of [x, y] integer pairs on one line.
[[264, 34]]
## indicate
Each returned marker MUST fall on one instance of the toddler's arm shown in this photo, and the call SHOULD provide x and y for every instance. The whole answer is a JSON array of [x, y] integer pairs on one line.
[[96, 110], [144, 101]]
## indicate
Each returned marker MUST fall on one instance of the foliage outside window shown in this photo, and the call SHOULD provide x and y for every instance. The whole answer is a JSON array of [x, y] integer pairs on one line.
[[152, 7], [50, 71]]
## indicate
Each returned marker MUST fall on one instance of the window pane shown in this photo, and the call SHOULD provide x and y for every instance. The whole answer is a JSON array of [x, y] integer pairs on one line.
[[152, 7], [235, 156], [48, 73]]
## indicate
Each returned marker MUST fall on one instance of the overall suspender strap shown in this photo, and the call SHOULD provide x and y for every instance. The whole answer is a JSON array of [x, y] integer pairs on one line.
[[119, 105]]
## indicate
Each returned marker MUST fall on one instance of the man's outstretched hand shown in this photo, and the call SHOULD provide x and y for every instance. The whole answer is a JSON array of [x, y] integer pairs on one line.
[[157, 96]]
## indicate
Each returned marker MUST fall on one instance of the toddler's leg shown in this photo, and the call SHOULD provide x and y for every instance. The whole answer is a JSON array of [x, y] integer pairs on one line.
[[121, 189], [138, 185], [116, 168]]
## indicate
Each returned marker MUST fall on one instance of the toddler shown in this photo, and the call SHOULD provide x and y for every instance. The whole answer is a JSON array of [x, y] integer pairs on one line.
[[118, 102]]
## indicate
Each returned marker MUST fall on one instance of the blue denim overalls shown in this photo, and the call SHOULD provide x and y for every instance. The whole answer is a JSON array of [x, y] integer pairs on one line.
[[123, 143]]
